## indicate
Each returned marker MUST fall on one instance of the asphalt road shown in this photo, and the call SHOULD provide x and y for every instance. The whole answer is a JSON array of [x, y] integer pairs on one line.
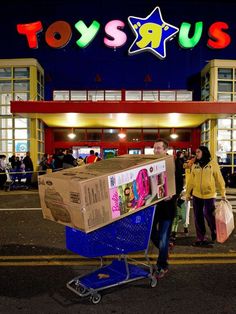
[[35, 267]]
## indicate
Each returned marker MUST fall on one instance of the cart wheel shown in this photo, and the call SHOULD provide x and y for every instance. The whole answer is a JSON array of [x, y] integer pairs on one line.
[[153, 282], [96, 298], [81, 290]]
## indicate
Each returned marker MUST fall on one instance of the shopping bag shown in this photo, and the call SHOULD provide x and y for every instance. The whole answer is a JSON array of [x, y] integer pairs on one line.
[[224, 221]]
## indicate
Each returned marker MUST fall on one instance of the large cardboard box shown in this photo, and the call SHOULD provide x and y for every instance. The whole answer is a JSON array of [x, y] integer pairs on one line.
[[94, 195]]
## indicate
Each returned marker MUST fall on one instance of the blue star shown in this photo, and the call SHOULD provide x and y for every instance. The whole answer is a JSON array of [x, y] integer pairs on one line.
[[151, 34]]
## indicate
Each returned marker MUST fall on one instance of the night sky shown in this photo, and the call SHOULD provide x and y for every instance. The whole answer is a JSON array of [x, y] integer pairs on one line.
[[74, 68]]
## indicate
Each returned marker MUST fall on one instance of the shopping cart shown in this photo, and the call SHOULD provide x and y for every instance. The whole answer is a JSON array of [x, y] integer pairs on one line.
[[127, 235]]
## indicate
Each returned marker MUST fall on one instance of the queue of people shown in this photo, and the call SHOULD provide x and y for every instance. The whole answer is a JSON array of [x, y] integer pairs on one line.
[[18, 168]]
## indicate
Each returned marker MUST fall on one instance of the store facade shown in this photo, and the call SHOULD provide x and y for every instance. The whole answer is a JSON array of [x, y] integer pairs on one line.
[[98, 117]]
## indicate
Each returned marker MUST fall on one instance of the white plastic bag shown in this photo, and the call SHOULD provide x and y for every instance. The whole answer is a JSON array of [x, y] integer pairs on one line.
[[224, 221]]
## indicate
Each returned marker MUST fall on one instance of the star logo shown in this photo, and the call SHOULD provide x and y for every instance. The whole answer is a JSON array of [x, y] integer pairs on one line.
[[151, 33]]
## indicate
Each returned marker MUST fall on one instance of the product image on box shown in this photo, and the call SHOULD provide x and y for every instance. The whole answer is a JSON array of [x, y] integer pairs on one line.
[[133, 189], [54, 202]]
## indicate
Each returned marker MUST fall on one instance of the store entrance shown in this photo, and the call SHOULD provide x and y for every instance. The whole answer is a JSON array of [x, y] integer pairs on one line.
[[121, 149]]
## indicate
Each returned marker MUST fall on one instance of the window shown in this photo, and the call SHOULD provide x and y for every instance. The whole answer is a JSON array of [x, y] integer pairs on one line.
[[79, 95], [112, 95], [6, 146], [225, 86], [167, 95], [61, 95], [224, 123], [5, 72], [184, 96], [5, 99], [224, 135], [224, 158], [225, 73], [21, 72], [224, 146], [21, 96], [6, 133], [150, 134], [133, 95], [5, 110], [5, 123], [94, 134], [5, 86], [21, 134], [164, 133], [80, 134], [20, 86], [110, 135], [95, 95], [148, 151], [149, 95], [133, 135], [61, 134], [224, 97], [184, 135]]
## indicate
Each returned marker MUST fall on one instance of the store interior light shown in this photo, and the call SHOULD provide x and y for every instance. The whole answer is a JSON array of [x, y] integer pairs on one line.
[[71, 135], [121, 134], [173, 134]]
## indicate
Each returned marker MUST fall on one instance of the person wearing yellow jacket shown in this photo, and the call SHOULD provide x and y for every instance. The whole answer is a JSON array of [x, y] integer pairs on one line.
[[205, 178]]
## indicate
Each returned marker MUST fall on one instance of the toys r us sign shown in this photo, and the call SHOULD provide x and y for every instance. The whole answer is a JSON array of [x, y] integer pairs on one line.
[[152, 33]]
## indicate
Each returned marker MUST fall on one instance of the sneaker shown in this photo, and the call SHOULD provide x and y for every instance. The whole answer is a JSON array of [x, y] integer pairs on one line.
[[213, 236], [171, 245], [204, 243], [161, 272], [186, 230], [172, 238]]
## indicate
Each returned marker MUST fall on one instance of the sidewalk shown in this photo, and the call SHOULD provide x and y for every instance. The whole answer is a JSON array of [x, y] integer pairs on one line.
[[229, 191]]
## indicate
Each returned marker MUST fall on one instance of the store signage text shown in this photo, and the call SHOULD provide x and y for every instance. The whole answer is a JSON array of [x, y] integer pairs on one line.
[[152, 33]]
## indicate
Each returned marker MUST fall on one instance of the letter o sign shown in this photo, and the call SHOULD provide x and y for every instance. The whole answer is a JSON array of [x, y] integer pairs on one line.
[[58, 34]]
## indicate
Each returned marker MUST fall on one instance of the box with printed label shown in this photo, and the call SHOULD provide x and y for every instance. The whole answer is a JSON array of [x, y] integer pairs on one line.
[[91, 196]]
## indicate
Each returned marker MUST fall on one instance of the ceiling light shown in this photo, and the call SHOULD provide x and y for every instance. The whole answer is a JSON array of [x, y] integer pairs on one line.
[[121, 134], [71, 135], [173, 135]]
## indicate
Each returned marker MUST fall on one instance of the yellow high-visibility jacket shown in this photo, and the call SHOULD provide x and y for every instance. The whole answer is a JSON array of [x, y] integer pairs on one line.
[[203, 182]]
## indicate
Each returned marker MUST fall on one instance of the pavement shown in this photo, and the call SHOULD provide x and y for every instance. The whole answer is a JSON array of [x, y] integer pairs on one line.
[[35, 266], [20, 210]]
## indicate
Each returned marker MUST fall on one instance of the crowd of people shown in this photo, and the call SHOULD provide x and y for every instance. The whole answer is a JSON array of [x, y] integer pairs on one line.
[[64, 159], [20, 168], [202, 178]]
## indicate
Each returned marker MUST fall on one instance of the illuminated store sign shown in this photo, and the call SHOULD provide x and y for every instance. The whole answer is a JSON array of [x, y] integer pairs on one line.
[[152, 34]]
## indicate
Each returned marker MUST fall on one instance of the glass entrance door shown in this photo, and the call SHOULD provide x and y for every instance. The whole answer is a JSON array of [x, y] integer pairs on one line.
[[135, 151]]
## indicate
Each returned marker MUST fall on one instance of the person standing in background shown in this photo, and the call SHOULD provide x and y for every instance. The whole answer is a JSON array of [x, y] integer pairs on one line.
[[27, 161], [98, 158], [3, 166], [69, 161], [91, 158], [204, 179]]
